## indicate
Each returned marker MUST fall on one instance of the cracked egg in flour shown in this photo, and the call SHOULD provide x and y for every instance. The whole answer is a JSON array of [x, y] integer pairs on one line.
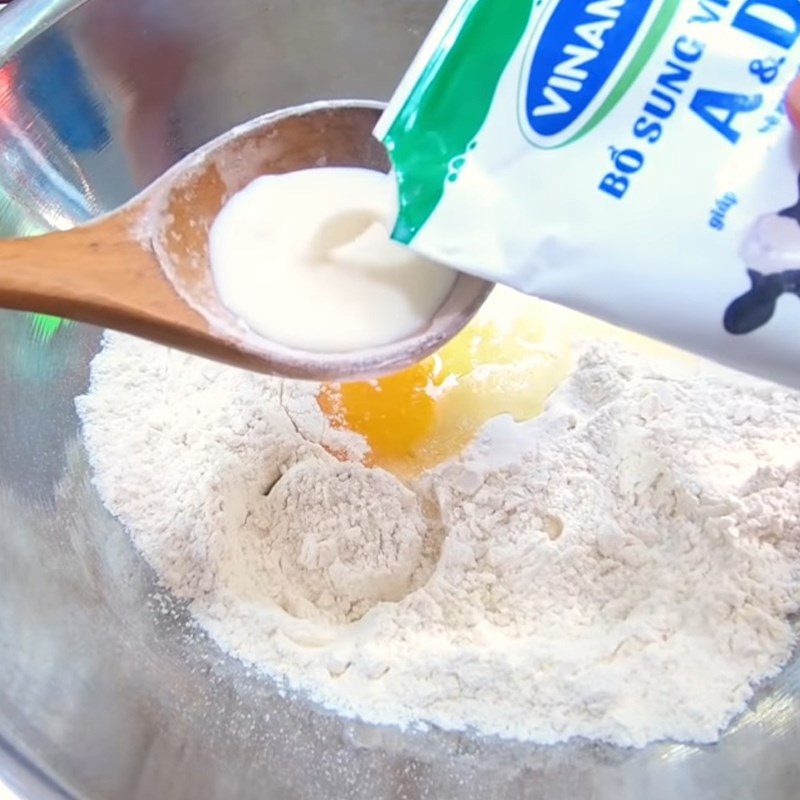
[[506, 362]]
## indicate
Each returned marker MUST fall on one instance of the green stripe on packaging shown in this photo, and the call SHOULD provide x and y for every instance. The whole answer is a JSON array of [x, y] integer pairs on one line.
[[430, 137]]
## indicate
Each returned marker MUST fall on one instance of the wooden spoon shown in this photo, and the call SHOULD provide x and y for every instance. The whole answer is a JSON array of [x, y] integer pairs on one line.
[[144, 269]]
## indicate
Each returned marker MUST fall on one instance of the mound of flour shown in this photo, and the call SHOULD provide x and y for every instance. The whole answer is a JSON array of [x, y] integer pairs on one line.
[[623, 567]]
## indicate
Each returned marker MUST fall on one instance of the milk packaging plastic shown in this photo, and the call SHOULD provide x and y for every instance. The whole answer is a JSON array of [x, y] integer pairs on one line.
[[631, 159]]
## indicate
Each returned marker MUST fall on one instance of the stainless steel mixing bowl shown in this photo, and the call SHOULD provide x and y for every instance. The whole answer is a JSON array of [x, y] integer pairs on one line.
[[105, 690]]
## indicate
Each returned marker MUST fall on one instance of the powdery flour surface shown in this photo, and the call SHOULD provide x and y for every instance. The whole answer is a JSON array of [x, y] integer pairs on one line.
[[623, 571]]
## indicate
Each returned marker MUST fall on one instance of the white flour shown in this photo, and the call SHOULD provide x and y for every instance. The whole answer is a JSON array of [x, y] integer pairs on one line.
[[623, 571], [341, 538]]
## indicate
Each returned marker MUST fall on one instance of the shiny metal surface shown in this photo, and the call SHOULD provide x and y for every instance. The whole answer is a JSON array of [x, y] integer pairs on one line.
[[106, 691]]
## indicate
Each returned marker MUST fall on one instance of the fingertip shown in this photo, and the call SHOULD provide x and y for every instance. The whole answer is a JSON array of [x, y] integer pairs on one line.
[[793, 102]]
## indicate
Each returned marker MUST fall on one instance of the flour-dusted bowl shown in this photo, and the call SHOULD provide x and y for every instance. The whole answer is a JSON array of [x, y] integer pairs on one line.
[[105, 692]]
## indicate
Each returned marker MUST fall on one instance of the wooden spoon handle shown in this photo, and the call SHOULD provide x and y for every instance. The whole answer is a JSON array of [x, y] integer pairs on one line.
[[97, 273]]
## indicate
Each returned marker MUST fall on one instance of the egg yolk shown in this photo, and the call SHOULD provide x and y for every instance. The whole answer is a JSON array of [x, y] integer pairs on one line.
[[395, 414], [419, 417]]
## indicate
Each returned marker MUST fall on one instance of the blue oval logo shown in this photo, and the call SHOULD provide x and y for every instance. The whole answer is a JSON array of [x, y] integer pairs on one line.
[[572, 59]]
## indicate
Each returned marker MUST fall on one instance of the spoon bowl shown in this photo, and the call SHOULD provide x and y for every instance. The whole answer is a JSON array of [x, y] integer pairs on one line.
[[145, 269]]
